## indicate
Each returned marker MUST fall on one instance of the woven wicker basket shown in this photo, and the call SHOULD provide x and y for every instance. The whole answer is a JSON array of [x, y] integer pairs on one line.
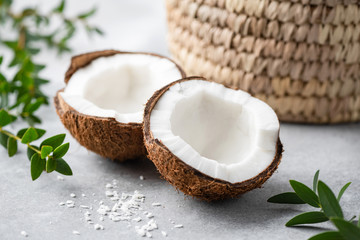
[[300, 56]]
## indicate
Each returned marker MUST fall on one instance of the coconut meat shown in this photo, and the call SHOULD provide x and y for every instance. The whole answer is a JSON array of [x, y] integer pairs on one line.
[[118, 86], [224, 133]]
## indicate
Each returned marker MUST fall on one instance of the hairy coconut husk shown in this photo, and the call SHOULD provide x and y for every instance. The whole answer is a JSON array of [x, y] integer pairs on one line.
[[105, 136], [189, 180]]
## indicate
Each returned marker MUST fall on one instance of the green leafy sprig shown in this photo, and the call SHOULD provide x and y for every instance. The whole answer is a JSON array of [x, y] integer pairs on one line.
[[21, 95], [33, 27], [48, 156], [328, 205], [22, 92]]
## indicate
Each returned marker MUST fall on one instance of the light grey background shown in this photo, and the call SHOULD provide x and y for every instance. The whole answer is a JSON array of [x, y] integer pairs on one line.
[[140, 25]]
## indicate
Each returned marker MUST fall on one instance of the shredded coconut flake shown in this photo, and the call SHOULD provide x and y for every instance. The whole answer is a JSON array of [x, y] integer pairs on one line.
[[70, 204], [145, 229], [137, 219], [23, 233], [98, 227], [60, 178], [103, 210], [109, 193], [126, 207]]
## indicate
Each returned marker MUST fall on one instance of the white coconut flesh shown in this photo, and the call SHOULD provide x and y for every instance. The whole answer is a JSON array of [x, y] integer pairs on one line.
[[119, 86], [224, 133]]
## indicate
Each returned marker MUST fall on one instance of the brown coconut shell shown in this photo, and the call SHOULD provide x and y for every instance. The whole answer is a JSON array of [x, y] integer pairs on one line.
[[189, 180], [104, 136]]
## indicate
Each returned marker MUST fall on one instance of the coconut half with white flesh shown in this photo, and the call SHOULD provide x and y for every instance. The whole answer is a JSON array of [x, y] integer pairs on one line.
[[210, 141], [103, 102]]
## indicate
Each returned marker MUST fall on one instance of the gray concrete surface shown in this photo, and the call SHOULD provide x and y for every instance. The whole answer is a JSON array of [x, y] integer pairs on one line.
[[31, 206]]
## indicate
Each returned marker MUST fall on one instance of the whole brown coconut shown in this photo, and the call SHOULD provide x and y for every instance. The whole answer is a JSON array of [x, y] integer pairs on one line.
[[188, 179], [106, 136]]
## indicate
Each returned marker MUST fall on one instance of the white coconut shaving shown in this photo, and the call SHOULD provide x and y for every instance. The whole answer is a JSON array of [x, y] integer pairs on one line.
[[60, 178], [127, 208], [70, 204], [145, 229], [224, 133], [98, 227], [119, 85], [24, 234]]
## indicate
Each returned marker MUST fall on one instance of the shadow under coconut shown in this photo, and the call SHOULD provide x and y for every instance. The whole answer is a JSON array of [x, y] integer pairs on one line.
[[133, 169]]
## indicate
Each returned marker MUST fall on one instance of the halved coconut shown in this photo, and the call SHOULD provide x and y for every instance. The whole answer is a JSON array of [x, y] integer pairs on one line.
[[102, 104], [209, 141]]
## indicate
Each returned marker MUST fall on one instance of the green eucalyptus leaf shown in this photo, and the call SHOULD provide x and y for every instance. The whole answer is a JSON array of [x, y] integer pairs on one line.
[[33, 51], [31, 152], [37, 166], [21, 132], [60, 151], [1, 59], [305, 193], [50, 164], [38, 67], [11, 146], [32, 120], [34, 106], [45, 151], [5, 84], [343, 189], [40, 81], [39, 131], [87, 14], [328, 201], [5, 118], [29, 136], [54, 141], [315, 181], [62, 167], [286, 198], [347, 230], [331, 235], [60, 8], [28, 12], [11, 44], [4, 139], [98, 31], [307, 218]]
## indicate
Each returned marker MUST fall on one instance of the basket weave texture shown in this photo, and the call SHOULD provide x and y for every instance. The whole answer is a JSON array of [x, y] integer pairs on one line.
[[302, 57]]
